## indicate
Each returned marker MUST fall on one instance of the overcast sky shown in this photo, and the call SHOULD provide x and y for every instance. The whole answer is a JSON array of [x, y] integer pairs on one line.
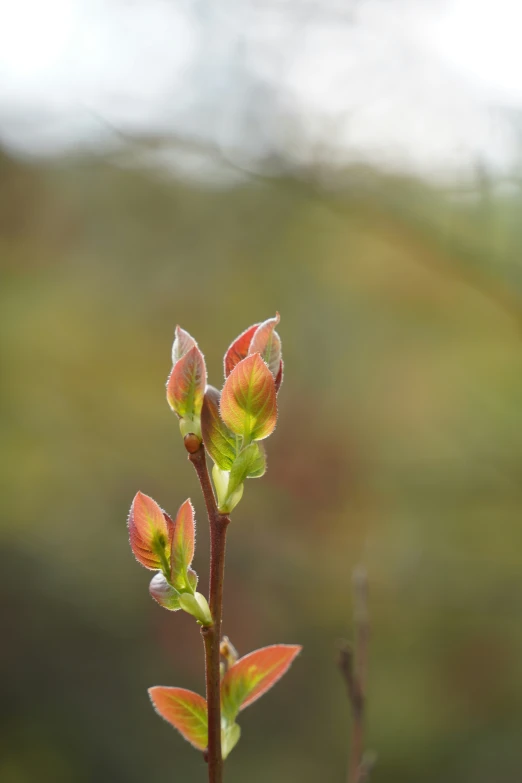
[[422, 84]]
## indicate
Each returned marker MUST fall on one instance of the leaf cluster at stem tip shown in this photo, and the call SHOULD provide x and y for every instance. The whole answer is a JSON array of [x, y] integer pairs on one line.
[[232, 422], [166, 545], [236, 420]]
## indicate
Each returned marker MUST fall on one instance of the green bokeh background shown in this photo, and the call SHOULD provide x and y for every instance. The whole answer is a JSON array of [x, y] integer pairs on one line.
[[399, 446]]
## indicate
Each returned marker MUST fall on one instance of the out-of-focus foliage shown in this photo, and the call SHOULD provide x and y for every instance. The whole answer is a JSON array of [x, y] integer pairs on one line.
[[399, 444]]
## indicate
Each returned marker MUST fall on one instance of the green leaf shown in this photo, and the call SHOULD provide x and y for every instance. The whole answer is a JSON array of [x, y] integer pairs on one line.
[[257, 461], [248, 401], [183, 544], [226, 500], [192, 579], [249, 463], [220, 442], [229, 738], [164, 593], [197, 606]]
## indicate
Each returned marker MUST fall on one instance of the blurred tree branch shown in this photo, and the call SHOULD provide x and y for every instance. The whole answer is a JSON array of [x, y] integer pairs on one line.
[[353, 664], [315, 183]]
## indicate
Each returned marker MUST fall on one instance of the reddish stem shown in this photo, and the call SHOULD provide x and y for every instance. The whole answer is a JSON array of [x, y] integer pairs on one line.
[[212, 635]]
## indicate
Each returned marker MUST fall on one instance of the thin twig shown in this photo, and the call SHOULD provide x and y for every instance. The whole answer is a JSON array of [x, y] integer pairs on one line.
[[212, 635], [353, 663], [437, 260]]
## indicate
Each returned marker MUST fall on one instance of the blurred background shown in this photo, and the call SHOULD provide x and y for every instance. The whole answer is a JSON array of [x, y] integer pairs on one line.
[[356, 166]]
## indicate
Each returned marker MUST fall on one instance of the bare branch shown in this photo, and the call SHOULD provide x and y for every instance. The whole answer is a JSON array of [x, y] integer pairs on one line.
[[353, 664]]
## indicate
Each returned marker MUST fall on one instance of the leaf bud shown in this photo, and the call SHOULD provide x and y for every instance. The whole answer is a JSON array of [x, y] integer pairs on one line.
[[228, 652], [197, 606], [192, 442], [226, 502]]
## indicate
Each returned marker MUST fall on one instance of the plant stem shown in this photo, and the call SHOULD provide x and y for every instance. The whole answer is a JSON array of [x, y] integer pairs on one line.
[[212, 634], [353, 663]]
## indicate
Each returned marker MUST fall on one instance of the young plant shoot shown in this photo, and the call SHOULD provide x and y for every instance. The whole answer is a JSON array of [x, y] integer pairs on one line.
[[229, 426]]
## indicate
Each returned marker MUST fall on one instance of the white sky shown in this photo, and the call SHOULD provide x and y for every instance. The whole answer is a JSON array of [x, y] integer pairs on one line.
[[419, 83]]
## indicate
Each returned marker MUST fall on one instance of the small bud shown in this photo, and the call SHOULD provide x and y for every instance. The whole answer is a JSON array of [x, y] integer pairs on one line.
[[197, 606], [192, 442], [229, 738], [164, 593], [226, 502], [228, 652]]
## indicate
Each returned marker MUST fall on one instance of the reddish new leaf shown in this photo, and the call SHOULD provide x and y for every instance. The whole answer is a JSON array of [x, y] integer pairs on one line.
[[183, 342], [185, 710], [183, 541], [239, 349], [248, 401], [150, 532], [219, 441], [267, 342], [252, 676], [186, 384]]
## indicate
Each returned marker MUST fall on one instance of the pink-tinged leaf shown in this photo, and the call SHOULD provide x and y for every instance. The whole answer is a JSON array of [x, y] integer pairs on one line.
[[267, 342], [239, 349], [183, 543], [186, 384], [219, 441], [182, 344], [252, 676], [150, 532], [185, 710], [248, 400]]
